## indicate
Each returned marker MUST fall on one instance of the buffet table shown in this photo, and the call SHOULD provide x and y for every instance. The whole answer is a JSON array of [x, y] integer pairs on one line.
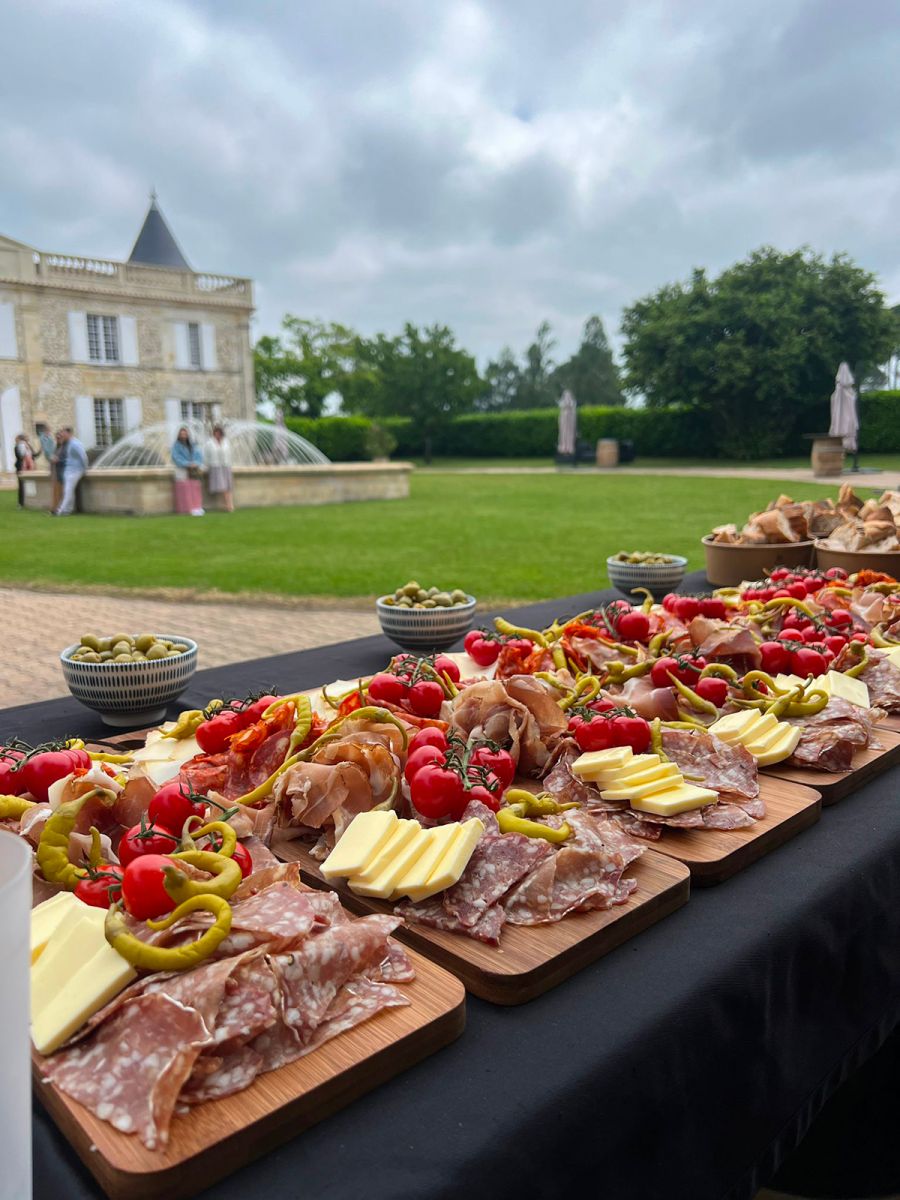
[[687, 1063]]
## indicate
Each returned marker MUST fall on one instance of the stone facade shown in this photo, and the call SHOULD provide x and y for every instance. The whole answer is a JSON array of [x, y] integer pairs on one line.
[[48, 364]]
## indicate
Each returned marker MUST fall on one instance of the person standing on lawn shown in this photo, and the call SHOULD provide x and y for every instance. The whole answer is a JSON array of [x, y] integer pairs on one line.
[[24, 462], [74, 465], [218, 460], [57, 466], [188, 462]]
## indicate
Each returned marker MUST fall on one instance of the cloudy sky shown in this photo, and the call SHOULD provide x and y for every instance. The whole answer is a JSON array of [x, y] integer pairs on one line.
[[484, 164]]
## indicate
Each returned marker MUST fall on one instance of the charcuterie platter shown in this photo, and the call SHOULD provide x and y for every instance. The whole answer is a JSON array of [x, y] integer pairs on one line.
[[530, 961], [219, 1136]]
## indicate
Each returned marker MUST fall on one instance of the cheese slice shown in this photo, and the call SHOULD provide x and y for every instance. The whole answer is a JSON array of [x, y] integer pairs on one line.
[[451, 866], [383, 884], [634, 766], [414, 882], [45, 919], [366, 834], [661, 771], [771, 737], [100, 977], [777, 750], [601, 760], [669, 803], [835, 683], [893, 657], [76, 939], [735, 726], [403, 833], [633, 792]]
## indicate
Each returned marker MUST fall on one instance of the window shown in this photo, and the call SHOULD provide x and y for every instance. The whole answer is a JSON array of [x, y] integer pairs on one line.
[[108, 421], [103, 338], [195, 410], [194, 355]]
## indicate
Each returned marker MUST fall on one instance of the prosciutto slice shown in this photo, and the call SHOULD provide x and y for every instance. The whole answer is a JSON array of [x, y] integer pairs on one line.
[[377, 762], [488, 710], [315, 794], [713, 638]]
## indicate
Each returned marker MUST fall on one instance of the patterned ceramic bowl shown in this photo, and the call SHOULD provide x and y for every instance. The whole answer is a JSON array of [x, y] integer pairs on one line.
[[130, 694], [657, 578], [425, 629]]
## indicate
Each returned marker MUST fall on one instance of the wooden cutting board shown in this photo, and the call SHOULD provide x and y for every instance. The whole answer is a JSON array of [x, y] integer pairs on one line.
[[834, 787], [218, 1137], [892, 721], [530, 959], [713, 855]]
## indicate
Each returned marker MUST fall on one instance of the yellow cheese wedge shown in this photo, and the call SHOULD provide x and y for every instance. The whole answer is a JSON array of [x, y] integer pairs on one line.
[[634, 766], [601, 760], [383, 884], [735, 726], [633, 792], [675, 800], [778, 750], [77, 937], [100, 977], [771, 737], [414, 882], [403, 833], [893, 657], [456, 859], [366, 834], [661, 771], [46, 917]]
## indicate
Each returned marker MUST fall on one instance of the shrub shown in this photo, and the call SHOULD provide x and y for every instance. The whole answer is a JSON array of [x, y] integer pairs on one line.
[[342, 439], [879, 422]]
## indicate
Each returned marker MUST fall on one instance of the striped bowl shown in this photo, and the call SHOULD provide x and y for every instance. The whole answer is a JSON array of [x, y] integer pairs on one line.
[[425, 629], [130, 694], [657, 578]]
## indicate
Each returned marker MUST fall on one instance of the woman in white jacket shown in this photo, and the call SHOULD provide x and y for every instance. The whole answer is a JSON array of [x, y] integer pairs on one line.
[[220, 481]]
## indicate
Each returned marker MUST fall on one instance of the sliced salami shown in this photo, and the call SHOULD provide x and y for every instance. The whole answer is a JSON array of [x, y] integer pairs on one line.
[[712, 763], [357, 1001], [248, 1006], [432, 913], [529, 901], [395, 967], [726, 816], [882, 679], [496, 864], [232, 1073], [131, 1071]]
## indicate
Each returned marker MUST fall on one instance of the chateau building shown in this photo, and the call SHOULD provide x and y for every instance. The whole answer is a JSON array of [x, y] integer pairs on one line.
[[109, 346]]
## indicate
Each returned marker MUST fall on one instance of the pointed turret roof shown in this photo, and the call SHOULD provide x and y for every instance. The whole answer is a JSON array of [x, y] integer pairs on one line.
[[155, 244]]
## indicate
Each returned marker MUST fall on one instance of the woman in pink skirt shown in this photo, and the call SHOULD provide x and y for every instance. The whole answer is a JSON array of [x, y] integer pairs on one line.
[[188, 460]]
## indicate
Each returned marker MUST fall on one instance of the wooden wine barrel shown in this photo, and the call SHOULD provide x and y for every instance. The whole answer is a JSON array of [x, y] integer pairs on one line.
[[827, 456], [607, 452]]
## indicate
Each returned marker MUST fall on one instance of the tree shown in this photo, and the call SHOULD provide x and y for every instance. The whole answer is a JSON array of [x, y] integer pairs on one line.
[[754, 352], [503, 377], [590, 374], [422, 374], [309, 361], [535, 388]]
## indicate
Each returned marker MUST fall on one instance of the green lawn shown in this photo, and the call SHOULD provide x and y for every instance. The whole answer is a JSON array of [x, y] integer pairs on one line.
[[500, 537], [883, 462]]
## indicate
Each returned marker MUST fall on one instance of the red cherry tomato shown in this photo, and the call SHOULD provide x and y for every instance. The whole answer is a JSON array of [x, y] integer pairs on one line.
[[243, 859], [496, 760], [859, 636], [11, 782], [634, 626], [685, 669], [631, 731], [143, 890], [482, 650], [834, 573], [387, 688], [807, 661], [213, 735], [791, 635], [418, 759], [814, 583], [779, 574], [437, 791], [686, 608], [425, 698], [146, 839], [44, 769], [172, 805], [839, 617], [429, 736], [811, 634], [445, 665], [775, 658], [670, 600], [797, 590], [103, 889], [782, 593], [253, 712], [712, 689], [478, 792], [836, 642], [712, 606], [595, 734]]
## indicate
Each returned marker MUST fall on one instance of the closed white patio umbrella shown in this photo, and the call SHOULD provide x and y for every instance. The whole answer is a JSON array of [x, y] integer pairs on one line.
[[844, 414], [567, 421]]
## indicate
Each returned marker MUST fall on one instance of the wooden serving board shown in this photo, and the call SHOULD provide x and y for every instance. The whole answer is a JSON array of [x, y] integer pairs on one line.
[[217, 1137], [716, 854], [834, 787], [891, 721], [531, 959]]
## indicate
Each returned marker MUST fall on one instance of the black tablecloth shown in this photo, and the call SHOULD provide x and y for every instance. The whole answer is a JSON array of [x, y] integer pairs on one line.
[[687, 1063]]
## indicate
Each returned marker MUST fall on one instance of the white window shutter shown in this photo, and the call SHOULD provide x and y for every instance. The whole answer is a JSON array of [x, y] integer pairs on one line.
[[8, 330], [133, 413], [85, 430], [78, 342], [173, 418], [208, 344], [128, 346], [10, 425], [182, 349]]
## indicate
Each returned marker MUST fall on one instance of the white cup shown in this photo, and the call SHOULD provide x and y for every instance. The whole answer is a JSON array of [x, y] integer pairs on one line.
[[15, 978]]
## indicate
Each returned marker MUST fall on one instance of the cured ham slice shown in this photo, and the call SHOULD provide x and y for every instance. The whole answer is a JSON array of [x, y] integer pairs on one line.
[[713, 638], [646, 700], [132, 1069], [377, 762], [488, 710], [316, 794]]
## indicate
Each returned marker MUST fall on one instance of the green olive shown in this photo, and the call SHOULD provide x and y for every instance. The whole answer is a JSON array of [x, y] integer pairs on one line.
[[442, 600], [121, 647], [138, 657], [121, 637], [389, 600], [105, 643], [421, 595], [122, 657], [156, 651], [432, 592], [105, 655], [429, 603], [172, 654], [144, 642], [179, 647], [92, 643], [410, 589], [404, 602], [458, 596], [92, 657]]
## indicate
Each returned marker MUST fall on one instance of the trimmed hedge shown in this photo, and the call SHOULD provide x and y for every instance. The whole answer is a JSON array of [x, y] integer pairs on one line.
[[657, 433]]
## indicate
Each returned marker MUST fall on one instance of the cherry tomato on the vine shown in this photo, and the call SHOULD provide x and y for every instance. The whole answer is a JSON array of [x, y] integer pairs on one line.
[[483, 650], [102, 887], [143, 890], [634, 626], [496, 760], [429, 736], [387, 688], [437, 791], [144, 839], [425, 698], [173, 805], [445, 665], [713, 689], [213, 735], [418, 758]]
